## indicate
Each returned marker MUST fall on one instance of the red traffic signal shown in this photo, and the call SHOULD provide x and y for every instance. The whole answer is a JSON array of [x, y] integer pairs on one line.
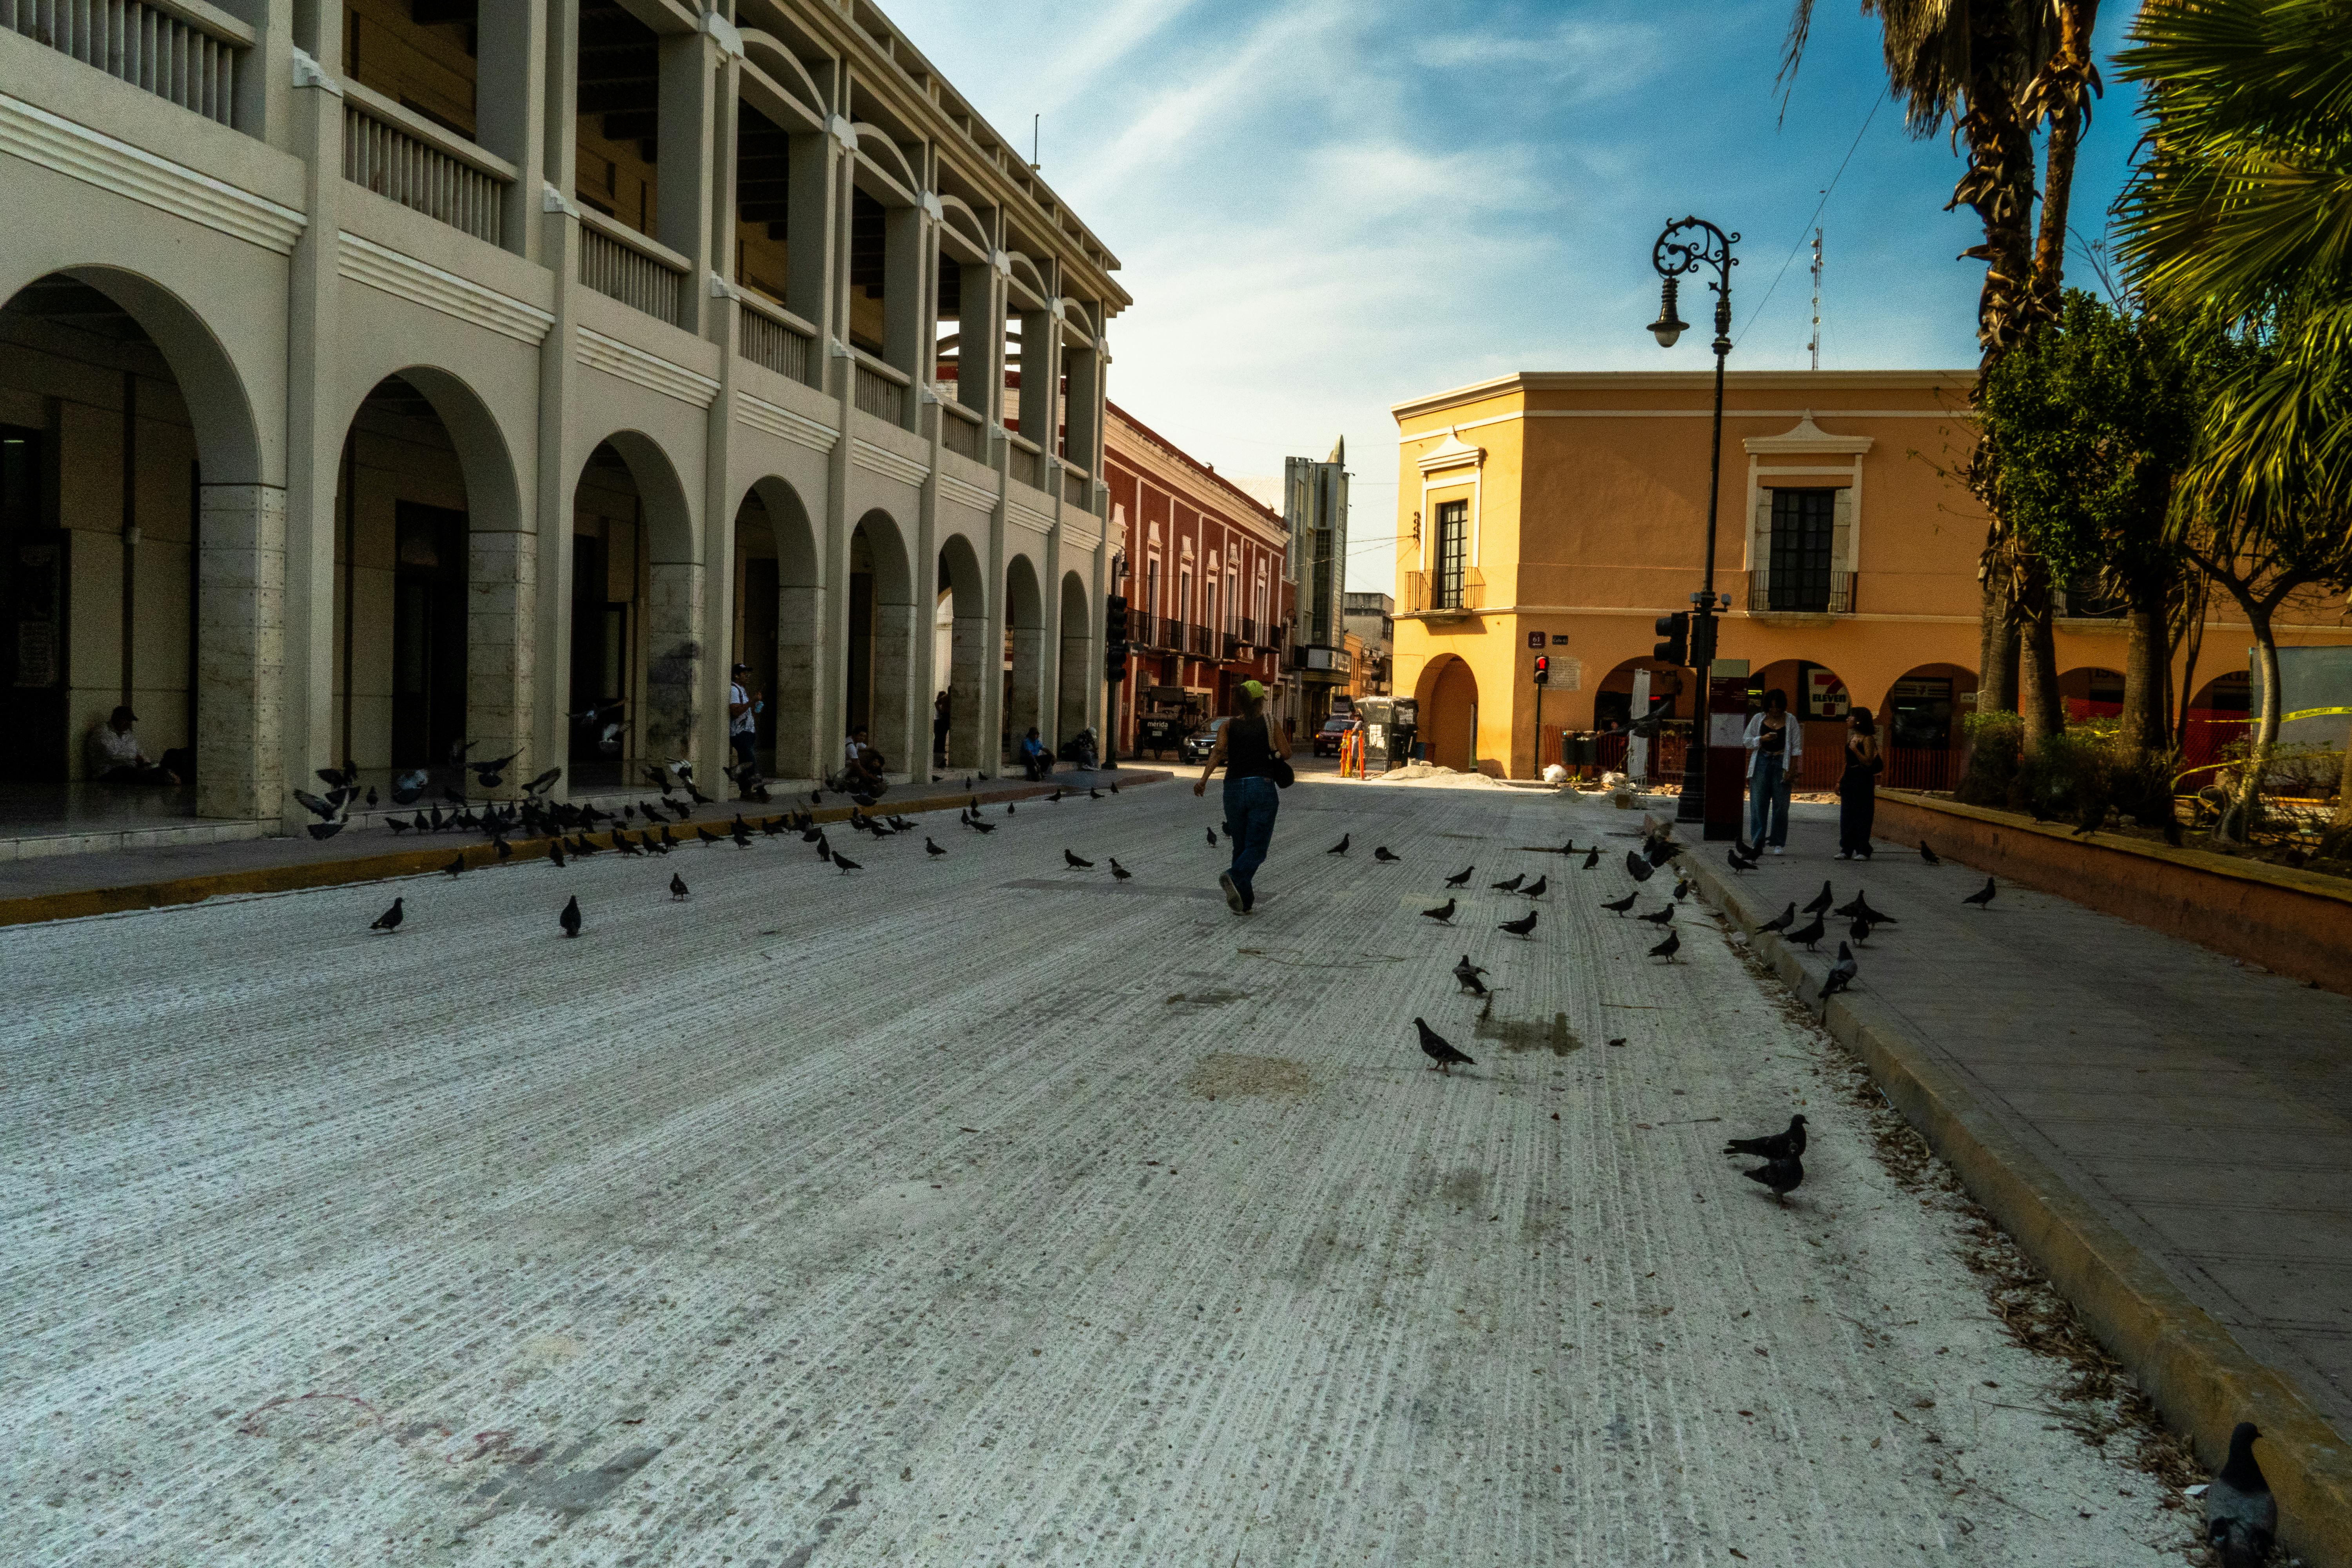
[[1543, 668]]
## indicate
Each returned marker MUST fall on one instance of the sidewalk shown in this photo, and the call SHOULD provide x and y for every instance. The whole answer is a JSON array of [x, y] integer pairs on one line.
[[306, 861], [2199, 1105]]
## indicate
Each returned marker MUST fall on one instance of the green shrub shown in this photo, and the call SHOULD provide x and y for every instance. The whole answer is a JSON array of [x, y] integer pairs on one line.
[[1996, 745]]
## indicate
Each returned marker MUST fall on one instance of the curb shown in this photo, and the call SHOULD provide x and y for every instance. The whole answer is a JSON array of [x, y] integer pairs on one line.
[[37, 908], [2199, 1377]]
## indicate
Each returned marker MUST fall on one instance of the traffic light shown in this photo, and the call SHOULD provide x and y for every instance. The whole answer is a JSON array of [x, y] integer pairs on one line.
[[1543, 670], [1115, 620], [1674, 644], [1115, 661]]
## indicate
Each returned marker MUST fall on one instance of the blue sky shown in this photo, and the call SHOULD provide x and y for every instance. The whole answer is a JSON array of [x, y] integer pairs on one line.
[[1325, 206]]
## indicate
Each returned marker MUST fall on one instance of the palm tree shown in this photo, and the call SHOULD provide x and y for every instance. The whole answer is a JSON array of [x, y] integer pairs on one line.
[[2242, 210]]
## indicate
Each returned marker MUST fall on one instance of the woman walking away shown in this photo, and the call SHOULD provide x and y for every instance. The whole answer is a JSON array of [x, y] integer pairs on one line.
[[1858, 785], [1249, 746], [1776, 744]]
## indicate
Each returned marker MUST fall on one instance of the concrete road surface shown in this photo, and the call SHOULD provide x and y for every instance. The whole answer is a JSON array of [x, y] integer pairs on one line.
[[978, 1210]]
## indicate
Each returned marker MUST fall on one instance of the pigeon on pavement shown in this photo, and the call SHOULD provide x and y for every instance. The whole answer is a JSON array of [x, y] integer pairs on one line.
[[1822, 900], [677, 886], [1118, 872], [1619, 906], [1668, 948], [1340, 848], [1982, 897], [1509, 884], [390, 919], [1773, 1146], [1640, 870], [1592, 857], [555, 850], [1076, 863], [1841, 974], [931, 848], [1782, 1175], [1213, 837], [1467, 974], [1682, 889], [1782, 920], [1461, 878], [1928, 855], [1859, 931], [1663, 917], [1381, 852], [1442, 914], [1537, 889], [456, 864], [1436, 1047], [847, 864], [1521, 926], [569, 918], [1809, 934], [2240, 1515]]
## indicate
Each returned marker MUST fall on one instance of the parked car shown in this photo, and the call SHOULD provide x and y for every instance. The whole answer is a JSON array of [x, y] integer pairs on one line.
[[1337, 728], [1201, 741]]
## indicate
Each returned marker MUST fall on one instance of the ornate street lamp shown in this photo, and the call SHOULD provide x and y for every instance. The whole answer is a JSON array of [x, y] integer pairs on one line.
[[1686, 245]]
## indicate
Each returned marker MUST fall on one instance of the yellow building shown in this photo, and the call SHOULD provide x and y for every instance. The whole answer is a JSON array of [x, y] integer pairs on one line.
[[1563, 513]]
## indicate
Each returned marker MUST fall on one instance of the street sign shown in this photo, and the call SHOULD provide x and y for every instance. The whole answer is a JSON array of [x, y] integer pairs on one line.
[[1534, 639]]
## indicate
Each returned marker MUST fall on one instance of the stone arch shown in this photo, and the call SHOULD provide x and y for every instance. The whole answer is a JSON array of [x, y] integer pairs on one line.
[[435, 609], [1922, 725], [779, 621], [1024, 649], [883, 624], [964, 677], [2091, 692], [220, 671], [654, 553], [1446, 698], [1076, 670]]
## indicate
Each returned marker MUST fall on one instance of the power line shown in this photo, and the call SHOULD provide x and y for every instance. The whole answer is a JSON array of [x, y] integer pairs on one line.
[[1875, 104]]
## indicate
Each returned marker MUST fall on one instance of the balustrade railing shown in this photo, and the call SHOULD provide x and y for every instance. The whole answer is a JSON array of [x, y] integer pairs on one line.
[[1141, 629], [1026, 463], [1444, 593], [405, 159], [185, 54], [882, 391], [619, 262], [1793, 594], [769, 335], [961, 433], [1202, 641], [1078, 487]]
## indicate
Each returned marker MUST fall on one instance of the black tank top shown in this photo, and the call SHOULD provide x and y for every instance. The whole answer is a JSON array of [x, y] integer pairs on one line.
[[1249, 755]]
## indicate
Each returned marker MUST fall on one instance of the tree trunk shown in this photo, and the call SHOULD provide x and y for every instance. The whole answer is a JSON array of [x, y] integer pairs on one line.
[[2245, 800], [2342, 822], [1999, 183], [2147, 680], [1995, 650], [2061, 94], [2037, 684]]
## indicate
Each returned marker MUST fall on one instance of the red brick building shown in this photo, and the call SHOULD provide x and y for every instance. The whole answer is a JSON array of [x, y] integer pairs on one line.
[[1209, 601]]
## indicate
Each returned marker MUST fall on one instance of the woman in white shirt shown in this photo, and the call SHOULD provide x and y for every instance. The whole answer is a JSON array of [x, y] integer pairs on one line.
[[1776, 744]]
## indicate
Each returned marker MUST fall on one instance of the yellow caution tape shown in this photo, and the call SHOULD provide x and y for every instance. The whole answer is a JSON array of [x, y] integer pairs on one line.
[[2315, 713]]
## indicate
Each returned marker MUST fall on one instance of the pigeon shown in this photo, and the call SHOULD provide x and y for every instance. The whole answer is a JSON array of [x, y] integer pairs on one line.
[[569, 918], [824, 850], [1054, 798], [1509, 884], [1521, 926], [390, 919], [1668, 948], [1682, 889], [1773, 1146], [1928, 855], [323, 810], [1011, 809], [543, 782], [931, 848], [408, 787], [1074, 863], [1662, 916], [1213, 837], [1118, 871], [1982, 897], [437, 823], [1442, 914], [1340, 848], [1822, 900], [1537, 889], [847, 864], [1809, 934], [555, 850], [986, 826], [1640, 870], [2240, 1515], [1620, 906], [1782, 920], [1859, 931], [324, 829], [1782, 1175], [397, 826], [707, 836], [677, 886], [742, 839], [1457, 880], [489, 773], [1862, 911], [456, 864], [370, 795], [1840, 975], [504, 849], [1435, 1047], [1382, 854], [1742, 858], [1466, 975], [1592, 857], [625, 844]]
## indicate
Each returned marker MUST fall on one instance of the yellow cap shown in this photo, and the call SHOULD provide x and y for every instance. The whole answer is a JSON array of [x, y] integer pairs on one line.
[[1255, 688]]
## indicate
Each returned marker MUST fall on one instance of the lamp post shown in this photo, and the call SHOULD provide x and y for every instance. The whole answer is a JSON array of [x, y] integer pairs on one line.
[[1686, 245]]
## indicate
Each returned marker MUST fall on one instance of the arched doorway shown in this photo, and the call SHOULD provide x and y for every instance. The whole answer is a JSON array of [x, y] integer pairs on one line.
[[635, 663], [883, 626], [141, 556], [1922, 725], [1024, 652], [2219, 715], [779, 613], [963, 674], [2090, 691], [1077, 670], [1447, 694]]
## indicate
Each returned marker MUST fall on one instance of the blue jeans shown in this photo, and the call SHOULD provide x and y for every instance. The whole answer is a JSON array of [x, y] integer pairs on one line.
[[1768, 798], [746, 744], [1250, 807]]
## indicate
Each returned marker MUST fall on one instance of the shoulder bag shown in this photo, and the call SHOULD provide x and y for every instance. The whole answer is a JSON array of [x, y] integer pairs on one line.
[[1284, 774]]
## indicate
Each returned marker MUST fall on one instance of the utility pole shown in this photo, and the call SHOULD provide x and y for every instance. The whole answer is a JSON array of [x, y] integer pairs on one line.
[[1816, 344]]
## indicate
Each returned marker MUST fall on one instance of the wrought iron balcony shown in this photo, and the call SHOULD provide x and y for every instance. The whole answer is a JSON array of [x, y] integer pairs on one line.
[[1808, 595]]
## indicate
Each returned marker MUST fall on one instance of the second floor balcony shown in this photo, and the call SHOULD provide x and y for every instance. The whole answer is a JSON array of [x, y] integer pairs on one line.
[[1437, 595], [1799, 594]]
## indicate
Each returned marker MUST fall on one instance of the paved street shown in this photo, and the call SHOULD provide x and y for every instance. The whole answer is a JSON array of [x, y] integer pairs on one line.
[[980, 1210]]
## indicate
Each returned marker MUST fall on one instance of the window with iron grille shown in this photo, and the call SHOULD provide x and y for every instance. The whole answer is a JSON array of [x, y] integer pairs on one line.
[[1453, 554], [1804, 525]]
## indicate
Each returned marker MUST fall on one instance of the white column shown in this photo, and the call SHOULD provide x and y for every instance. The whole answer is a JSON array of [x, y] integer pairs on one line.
[[501, 622], [240, 651]]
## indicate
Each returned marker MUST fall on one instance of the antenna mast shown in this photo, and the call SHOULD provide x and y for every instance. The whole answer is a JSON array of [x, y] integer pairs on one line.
[[1037, 124], [1816, 344]]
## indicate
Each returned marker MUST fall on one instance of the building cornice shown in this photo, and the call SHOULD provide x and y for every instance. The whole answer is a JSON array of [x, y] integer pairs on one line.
[[1521, 382], [1182, 466]]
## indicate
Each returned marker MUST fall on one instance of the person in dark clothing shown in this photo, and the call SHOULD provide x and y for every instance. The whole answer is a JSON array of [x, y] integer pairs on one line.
[[940, 711], [1247, 747], [1858, 785]]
